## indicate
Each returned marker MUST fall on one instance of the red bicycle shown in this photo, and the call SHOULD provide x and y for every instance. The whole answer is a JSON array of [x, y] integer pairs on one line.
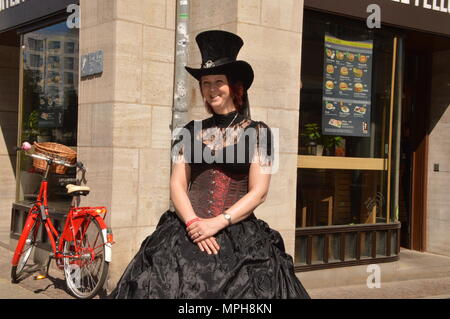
[[82, 250]]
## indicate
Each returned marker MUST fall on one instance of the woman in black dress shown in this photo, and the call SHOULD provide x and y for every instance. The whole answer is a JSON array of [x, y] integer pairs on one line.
[[213, 246]]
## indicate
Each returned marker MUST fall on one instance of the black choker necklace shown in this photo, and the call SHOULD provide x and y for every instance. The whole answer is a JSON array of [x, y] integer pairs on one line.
[[225, 120]]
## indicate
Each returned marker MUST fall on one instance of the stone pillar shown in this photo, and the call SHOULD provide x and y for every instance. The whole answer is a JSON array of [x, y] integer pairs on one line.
[[124, 116], [438, 218], [272, 33], [9, 93]]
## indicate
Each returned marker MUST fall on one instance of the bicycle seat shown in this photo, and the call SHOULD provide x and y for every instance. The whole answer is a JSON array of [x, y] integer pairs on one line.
[[75, 190]]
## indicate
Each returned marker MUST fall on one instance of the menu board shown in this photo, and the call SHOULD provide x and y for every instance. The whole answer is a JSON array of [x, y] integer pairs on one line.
[[347, 87]]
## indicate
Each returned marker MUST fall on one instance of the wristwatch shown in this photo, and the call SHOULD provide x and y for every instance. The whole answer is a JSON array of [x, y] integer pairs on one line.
[[227, 217]]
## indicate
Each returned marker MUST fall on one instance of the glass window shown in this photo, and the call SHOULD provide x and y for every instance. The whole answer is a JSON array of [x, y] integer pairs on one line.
[[36, 61], [314, 105], [68, 63], [53, 62], [49, 107], [69, 47], [344, 122], [68, 78], [54, 46], [35, 44], [327, 197]]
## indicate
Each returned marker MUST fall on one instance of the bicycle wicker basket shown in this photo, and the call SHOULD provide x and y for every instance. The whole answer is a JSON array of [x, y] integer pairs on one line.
[[55, 151]]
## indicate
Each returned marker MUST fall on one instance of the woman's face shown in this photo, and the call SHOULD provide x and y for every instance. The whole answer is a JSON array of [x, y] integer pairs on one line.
[[216, 91]]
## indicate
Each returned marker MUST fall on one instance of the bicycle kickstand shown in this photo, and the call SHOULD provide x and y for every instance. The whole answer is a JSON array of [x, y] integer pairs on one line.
[[43, 272]]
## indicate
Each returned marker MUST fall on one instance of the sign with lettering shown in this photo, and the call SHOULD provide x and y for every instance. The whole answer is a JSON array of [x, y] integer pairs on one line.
[[6, 4], [92, 64], [436, 5], [17, 13], [347, 87], [424, 15]]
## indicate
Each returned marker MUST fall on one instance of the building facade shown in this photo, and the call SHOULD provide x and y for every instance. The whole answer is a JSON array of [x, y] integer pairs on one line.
[[363, 116]]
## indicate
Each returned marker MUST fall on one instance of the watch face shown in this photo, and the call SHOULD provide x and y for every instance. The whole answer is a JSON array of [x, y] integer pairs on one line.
[[228, 217]]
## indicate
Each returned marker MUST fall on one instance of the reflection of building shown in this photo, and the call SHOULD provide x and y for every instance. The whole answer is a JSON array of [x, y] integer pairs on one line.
[[53, 60], [359, 207]]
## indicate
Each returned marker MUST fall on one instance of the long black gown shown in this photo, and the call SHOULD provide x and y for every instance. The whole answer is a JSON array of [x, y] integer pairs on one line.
[[251, 263]]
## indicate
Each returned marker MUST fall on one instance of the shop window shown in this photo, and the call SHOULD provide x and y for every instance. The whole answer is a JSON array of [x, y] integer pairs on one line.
[[328, 197], [344, 124], [49, 107]]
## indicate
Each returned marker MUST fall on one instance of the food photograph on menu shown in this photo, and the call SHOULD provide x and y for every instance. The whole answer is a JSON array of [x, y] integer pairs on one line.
[[347, 87]]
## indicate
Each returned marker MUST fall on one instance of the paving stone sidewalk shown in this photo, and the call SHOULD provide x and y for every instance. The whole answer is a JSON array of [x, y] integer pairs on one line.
[[433, 288], [54, 287]]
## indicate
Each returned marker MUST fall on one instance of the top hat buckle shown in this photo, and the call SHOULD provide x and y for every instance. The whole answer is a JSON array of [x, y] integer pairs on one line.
[[208, 64]]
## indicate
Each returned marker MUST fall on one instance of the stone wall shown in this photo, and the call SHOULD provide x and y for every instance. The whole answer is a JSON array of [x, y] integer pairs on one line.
[[438, 207], [124, 116], [9, 93]]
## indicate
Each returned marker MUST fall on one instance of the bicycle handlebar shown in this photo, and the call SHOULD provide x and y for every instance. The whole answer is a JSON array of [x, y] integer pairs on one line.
[[49, 159], [54, 161]]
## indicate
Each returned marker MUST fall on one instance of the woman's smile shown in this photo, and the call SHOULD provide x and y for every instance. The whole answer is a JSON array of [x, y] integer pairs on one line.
[[217, 93]]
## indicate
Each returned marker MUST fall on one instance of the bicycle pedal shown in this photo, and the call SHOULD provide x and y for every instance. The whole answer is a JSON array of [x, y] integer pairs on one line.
[[40, 277]]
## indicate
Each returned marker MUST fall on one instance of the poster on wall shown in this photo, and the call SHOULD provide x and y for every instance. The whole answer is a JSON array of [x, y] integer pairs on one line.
[[347, 87]]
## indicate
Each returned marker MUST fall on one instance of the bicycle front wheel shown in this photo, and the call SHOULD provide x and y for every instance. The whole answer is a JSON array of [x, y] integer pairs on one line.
[[25, 247], [86, 272]]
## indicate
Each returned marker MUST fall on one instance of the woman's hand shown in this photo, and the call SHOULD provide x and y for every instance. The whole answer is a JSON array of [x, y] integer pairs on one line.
[[205, 228], [209, 245]]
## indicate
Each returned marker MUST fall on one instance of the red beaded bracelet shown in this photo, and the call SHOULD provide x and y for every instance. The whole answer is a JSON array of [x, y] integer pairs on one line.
[[189, 223]]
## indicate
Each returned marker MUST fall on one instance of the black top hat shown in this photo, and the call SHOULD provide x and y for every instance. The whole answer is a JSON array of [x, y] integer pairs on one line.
[[219, 50]]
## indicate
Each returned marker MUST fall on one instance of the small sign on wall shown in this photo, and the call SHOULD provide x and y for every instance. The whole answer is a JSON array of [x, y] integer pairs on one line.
[[92, 64]]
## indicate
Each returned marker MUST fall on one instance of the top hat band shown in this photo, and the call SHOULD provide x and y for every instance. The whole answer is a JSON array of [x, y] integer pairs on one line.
[[210, 64]]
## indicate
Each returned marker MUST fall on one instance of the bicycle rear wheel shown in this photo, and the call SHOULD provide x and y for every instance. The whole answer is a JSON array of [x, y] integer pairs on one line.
[[86, 272], [25, 247]]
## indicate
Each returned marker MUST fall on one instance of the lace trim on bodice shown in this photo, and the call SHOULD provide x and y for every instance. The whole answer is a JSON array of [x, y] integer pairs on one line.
[[257, 143]]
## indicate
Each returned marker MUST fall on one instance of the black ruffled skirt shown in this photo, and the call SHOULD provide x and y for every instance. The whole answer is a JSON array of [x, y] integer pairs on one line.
[[251, 263]]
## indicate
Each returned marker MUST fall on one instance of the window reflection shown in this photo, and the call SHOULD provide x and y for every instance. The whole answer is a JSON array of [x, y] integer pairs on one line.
[[50, 102], [328, 197]]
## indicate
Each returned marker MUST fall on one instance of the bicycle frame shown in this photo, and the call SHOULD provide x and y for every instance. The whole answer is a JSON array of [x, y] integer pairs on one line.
[[74, 221]]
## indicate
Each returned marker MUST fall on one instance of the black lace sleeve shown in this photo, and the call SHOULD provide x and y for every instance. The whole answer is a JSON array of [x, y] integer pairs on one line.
[[264, 147], [181, 144]]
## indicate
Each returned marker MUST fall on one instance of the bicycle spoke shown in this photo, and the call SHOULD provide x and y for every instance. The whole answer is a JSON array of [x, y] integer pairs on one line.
[[96, 238], [90, 279], [89, 247]]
